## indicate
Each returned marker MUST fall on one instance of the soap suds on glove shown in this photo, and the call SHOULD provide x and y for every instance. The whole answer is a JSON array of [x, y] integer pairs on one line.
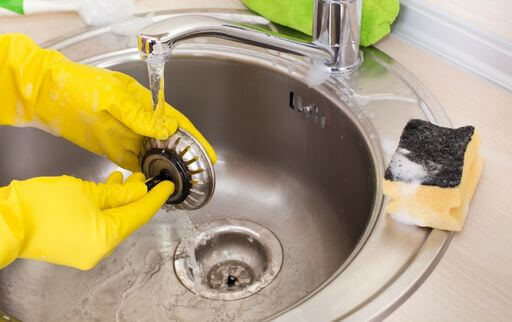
[[20, 109], [28, 90], [54, 96], [40, 126]]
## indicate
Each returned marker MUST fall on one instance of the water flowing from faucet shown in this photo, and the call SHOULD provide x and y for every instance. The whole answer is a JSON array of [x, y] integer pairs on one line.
[[156, 67]]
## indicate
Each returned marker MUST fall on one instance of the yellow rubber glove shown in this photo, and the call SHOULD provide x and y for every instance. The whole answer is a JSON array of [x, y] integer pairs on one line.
[[71, 222], [105, 112]]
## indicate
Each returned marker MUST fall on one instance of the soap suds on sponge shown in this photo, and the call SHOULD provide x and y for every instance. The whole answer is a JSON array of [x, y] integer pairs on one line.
[[403, 169], [432, 175], [438, 149], [402, 216]]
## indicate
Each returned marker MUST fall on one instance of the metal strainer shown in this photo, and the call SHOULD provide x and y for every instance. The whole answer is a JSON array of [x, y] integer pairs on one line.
[[182, 160]]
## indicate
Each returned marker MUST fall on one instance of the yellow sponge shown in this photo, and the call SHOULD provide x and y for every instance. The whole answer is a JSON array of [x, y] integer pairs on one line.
[[433, 174]]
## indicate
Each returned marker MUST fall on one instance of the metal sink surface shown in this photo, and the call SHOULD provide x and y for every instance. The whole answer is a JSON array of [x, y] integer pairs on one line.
[[303, 160]]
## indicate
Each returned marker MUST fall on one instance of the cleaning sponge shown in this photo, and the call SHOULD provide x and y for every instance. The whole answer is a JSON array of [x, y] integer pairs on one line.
[[433, 174]]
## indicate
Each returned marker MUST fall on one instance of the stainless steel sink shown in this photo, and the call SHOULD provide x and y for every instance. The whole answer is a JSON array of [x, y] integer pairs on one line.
[[303, 162]]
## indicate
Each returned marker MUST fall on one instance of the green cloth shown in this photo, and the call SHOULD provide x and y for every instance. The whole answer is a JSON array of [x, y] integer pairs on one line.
[[377, 16], [12, 5]]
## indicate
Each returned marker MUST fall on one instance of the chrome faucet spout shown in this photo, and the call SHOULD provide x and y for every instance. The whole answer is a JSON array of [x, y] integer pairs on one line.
[[335, 34], [160, 38]]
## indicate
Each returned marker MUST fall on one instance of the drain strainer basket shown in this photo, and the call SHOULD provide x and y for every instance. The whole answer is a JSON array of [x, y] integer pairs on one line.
[[228, 259], [183, 160]]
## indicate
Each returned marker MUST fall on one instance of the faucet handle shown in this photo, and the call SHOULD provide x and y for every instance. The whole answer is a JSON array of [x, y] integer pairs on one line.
[[337, 26]]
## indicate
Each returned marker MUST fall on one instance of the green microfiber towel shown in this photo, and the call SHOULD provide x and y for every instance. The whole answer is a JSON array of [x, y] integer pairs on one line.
[[377, 16]]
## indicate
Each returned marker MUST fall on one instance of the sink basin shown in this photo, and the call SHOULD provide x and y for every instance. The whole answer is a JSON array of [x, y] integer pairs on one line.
[[304, 162]]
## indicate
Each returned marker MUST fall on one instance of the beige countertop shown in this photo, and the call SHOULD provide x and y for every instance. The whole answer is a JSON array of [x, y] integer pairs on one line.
[[473, 281], [493, 16]]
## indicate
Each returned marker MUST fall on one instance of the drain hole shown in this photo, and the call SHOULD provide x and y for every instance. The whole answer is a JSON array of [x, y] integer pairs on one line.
[[232, 274], [291, 100], [228, 260], [231, 281]]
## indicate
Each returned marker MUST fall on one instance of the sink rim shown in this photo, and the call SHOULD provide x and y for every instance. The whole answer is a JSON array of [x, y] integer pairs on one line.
[[410, 276]]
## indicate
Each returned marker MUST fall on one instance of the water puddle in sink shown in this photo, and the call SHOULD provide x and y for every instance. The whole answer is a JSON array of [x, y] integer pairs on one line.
[[138, 283], [157, 263]]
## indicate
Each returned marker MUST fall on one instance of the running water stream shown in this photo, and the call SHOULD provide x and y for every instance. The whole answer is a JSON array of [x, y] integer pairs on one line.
[[186, 230], [156, 66]]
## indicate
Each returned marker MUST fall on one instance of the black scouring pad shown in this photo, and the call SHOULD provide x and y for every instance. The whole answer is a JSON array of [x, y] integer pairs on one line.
[[439, 150]]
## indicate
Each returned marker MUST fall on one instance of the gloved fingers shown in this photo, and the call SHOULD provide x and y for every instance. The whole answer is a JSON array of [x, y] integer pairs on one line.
[[130, 217], [116, 195], [115, 177], [185, 123], [118, 142], [136, 177], [139, 91], [142, 121], [134, 108], [137, 114], [125, 159]]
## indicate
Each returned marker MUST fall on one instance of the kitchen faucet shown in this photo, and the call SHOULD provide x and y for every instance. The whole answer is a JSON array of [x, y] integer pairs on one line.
[[336, 29]]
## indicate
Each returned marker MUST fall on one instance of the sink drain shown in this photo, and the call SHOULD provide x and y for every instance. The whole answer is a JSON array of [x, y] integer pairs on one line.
[[228, 259]]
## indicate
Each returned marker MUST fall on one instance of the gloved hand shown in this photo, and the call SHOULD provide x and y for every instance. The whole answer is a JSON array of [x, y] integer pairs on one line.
[[68, 221], [377, 16], [105, 112]]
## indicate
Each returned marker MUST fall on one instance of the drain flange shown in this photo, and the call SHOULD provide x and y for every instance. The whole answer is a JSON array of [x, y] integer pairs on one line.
[[228, 259]]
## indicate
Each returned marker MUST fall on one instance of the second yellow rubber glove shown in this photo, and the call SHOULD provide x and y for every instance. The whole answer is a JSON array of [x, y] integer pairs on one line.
[[105, 112], [71, 222]]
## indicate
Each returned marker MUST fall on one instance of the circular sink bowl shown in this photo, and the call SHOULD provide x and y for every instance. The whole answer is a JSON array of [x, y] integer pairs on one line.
[[303, 162]]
